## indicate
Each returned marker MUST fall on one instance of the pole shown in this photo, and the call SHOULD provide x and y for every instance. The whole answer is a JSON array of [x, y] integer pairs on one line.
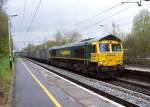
[[9, 34]]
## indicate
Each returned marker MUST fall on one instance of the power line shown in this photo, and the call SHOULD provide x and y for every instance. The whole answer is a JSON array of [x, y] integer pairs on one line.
[[89, 33], [25, 5], [120, 25], [35, 13], [106, 18], [98, 14]]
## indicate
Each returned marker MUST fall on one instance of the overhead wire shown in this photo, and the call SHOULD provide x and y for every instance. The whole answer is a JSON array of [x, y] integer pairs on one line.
[[120, 25], [89, 33], [98, 14], [106, 18], [34, 15], [36, 11], [104, 11], [24, 10]]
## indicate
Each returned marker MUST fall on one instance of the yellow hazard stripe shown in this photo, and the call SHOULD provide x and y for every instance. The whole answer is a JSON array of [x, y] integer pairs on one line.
[[57, 104]]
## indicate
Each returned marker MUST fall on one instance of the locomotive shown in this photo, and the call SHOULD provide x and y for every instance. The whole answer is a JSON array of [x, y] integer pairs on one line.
[[101, 57]]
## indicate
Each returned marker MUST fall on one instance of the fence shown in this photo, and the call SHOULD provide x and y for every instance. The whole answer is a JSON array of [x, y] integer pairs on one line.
[[144, 62]]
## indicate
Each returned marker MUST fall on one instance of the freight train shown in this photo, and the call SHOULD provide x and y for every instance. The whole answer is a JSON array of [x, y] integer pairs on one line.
[[101, 57]]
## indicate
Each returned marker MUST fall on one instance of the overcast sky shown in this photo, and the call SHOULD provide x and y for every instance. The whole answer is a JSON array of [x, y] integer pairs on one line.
[[68, 15]]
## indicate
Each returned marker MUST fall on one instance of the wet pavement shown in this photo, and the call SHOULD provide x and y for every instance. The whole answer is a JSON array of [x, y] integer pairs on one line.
[[29, 93]]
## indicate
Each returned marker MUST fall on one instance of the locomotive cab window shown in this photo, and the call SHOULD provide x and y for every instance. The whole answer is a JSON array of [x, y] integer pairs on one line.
[[116, 47], [104, 47]]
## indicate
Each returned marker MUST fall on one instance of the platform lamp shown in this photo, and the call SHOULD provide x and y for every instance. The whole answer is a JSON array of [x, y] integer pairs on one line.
[[9, 31]]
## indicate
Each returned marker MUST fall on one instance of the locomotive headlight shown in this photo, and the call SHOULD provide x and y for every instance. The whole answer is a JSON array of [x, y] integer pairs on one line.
[[102, 62], [121, 62]]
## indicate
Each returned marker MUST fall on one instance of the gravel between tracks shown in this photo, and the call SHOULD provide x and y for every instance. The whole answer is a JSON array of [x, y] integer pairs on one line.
[[136, 98]]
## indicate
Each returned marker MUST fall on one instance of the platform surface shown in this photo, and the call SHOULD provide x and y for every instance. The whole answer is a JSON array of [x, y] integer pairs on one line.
[[142, 69], [38, 87]]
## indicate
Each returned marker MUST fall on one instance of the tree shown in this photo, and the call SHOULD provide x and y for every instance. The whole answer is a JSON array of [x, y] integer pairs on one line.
[[138, 41], [30, 47], [4, 47], [60, 39], [70, 37], [73, 37]]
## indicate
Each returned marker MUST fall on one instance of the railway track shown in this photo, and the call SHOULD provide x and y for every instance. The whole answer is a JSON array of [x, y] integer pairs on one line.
[[123, 91], [131, 84]]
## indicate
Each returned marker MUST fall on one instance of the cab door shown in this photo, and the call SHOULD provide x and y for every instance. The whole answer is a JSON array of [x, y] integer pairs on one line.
[[94, 54]]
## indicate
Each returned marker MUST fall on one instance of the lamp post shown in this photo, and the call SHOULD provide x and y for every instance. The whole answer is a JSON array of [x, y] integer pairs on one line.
[[9, 34]]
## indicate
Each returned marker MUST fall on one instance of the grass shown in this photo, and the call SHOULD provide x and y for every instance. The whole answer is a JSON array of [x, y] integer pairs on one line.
[[5, 76]]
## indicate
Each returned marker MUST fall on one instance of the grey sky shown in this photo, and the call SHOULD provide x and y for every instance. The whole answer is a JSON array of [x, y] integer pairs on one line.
[[64, 15]]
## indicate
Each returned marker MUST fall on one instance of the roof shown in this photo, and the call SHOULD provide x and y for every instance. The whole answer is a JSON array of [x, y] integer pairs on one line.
[[86, 42], [110, 37]]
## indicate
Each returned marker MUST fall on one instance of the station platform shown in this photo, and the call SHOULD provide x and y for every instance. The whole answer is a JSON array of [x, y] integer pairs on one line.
[[38, 87], [140, 69]]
